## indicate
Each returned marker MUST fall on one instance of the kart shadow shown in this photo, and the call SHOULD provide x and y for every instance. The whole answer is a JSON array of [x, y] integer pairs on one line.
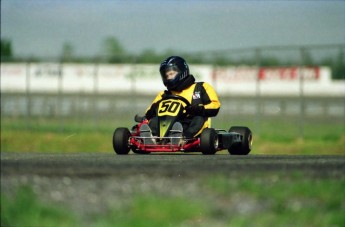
[[172, 153]]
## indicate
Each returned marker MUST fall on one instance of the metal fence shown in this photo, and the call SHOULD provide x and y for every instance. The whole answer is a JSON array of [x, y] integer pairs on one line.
[[111, 105], [99, 108]]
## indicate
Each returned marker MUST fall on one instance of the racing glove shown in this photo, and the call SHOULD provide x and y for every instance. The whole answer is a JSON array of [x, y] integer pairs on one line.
[[195, 110]]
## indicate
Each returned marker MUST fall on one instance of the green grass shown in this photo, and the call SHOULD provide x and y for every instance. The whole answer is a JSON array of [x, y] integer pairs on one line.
[[272, 136], [27, 210], [285, 200], [250, 200], [155, 212]]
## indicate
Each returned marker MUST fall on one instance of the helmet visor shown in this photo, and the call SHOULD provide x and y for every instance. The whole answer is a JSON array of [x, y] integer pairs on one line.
[[170, 72]]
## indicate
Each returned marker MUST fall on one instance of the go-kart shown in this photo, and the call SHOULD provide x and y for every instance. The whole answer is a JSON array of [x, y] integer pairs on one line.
[[171, 109]]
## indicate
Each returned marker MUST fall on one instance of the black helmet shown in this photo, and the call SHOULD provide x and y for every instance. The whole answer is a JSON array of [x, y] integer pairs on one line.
[[178, 64]]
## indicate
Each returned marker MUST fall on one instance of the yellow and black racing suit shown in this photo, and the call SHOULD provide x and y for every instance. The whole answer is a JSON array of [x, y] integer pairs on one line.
[[204, 104]]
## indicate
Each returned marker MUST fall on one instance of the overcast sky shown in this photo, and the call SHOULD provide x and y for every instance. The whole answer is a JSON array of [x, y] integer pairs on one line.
[[41, 27]]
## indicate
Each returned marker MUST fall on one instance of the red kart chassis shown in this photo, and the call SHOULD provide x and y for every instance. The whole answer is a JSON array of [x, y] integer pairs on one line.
[[237, 141]]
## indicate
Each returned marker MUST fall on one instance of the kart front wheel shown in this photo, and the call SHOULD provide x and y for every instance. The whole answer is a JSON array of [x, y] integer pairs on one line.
[[121, 141], [209, 141], [245, 146]]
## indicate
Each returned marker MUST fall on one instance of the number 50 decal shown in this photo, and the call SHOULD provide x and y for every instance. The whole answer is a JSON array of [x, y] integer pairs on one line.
[[169, 107]]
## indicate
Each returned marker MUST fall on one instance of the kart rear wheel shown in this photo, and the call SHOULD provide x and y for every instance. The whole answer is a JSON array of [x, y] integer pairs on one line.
[[208, 141], [245, 146], [121, 141]]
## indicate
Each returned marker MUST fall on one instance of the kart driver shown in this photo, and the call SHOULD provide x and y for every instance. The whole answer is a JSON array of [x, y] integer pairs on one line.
[[203, 99]]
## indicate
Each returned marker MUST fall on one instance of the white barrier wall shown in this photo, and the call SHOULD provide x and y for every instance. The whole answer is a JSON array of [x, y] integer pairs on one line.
[[145, 78], [277, 81]]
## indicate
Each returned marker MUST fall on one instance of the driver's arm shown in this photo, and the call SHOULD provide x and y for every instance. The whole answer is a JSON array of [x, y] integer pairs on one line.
[[210, 103], [151, 111], [210, 98]]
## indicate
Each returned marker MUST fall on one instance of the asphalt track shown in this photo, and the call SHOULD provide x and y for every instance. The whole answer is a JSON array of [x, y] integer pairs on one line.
[[86, 165]]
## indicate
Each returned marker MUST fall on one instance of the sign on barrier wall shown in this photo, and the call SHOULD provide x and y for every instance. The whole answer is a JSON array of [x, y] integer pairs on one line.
[[145, 78]]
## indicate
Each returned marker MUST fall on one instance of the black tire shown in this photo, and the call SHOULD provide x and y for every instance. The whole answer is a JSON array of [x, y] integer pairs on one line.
[[121, 141], [246, 145], [208, 141]]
